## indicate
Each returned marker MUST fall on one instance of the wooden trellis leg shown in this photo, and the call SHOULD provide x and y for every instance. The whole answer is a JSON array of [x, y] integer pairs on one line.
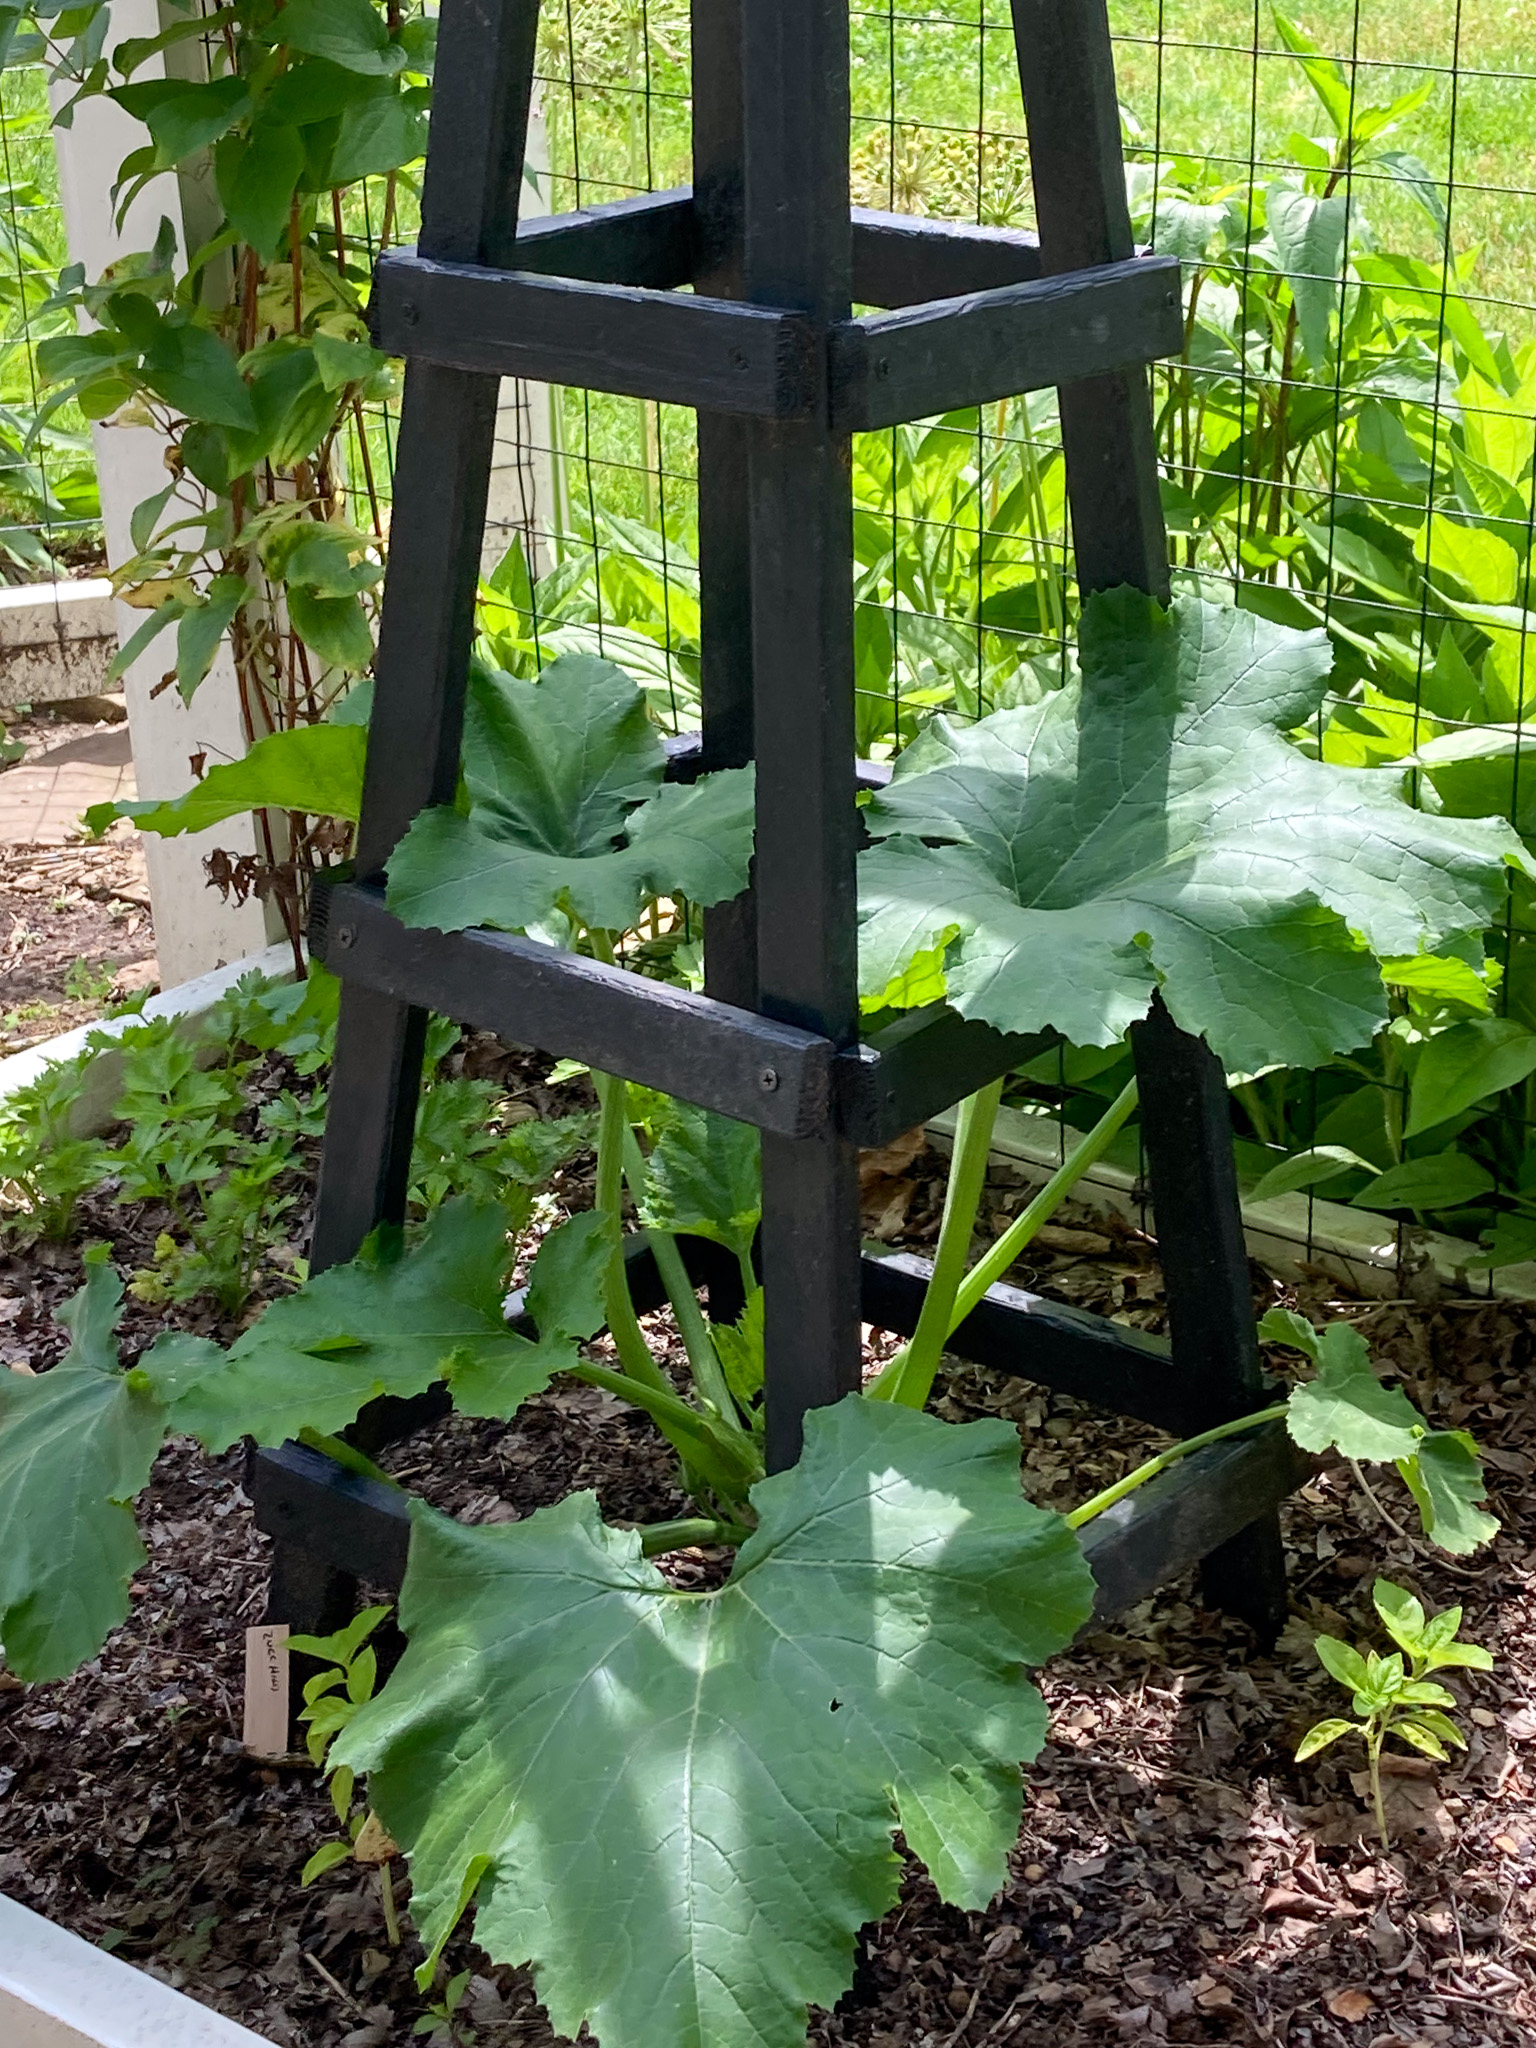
[[1066, 68], [797, 254], [442, 474], [725, 586]]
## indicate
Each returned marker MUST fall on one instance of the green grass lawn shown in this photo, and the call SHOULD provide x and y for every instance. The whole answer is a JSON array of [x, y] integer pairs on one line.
[[938, 128]]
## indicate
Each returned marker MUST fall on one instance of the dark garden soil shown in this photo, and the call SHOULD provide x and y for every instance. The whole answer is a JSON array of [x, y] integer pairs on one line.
[[75, 931], [1177, 1878]]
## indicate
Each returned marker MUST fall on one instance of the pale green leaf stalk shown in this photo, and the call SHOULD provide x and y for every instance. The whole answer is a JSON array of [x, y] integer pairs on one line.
[[909, 1376]]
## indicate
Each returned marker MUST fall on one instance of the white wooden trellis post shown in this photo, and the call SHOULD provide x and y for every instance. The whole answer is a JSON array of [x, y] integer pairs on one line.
[[521, 501], [195, 930]]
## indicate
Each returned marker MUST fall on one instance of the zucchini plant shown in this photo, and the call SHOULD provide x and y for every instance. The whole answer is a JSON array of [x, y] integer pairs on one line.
[[679, 1806]]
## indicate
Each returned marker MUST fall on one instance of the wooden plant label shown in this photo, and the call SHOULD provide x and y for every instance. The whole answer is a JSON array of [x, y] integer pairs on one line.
[[266, 1690]]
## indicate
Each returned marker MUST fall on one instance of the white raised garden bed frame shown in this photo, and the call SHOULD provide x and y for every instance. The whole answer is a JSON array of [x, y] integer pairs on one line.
[[57, 1991]]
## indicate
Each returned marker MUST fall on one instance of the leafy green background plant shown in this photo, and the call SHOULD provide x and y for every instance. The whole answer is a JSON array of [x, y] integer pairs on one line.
[[204, 1130], [1391, 1696], [249, 350]]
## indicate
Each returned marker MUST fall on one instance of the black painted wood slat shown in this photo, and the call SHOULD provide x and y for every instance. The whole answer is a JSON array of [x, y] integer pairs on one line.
[[1028, 1337], [751, 1067], [692, 235], [754, 360], [1197, 1508], [1072, 115], [798, 253], [900, 259], [484, 72], [680, 349], [645, 241], [938, 357], [906, 1072], [725, 566], [1066, 68], [1186, 1122]]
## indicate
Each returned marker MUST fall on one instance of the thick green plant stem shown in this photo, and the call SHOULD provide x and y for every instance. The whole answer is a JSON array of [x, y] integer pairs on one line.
[[958, 1224], [708, 1375], [725, 1459], [658, 1537], [347, 1454], [910, 1375], [623, 1324], [1150, 1470], [1084, 1155]]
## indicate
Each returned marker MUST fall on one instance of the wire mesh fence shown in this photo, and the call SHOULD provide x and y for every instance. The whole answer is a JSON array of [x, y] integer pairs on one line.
[[1346, 441], [49, 508]]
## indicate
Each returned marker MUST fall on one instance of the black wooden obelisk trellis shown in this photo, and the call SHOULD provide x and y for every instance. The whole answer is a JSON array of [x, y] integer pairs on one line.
[[766, 348]]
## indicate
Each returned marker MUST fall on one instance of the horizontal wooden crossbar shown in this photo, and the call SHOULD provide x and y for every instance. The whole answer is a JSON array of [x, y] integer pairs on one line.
[[955, 352], [898, 258], [362, 1527], [925, 1062], [647, 241], [1057, 1346], [715, 354], [732, 1061], [724, 355], [1196, 1506], [774, 1076]]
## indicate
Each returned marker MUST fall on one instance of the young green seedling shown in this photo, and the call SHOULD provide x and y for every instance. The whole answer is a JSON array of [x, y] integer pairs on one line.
[[438, 2020], [1394, 1697], [331, 1698]]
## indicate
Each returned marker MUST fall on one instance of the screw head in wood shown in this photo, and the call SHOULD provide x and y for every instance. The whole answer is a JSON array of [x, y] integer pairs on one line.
[[768, 1079]]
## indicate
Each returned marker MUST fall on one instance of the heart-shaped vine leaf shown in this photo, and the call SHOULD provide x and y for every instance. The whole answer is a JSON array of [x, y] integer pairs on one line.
[[680, 1807], [76, 1447], [391, 1322], [568, 810], [1152, 827]]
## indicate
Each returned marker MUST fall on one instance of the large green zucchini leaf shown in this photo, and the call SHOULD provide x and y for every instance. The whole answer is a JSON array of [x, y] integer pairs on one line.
[[76, 1447], [679, 1807], [392, 1321], [1152, 827], [568, 810]]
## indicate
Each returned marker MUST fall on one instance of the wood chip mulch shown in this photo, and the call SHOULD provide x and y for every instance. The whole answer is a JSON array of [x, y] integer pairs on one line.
[[75, 936]]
